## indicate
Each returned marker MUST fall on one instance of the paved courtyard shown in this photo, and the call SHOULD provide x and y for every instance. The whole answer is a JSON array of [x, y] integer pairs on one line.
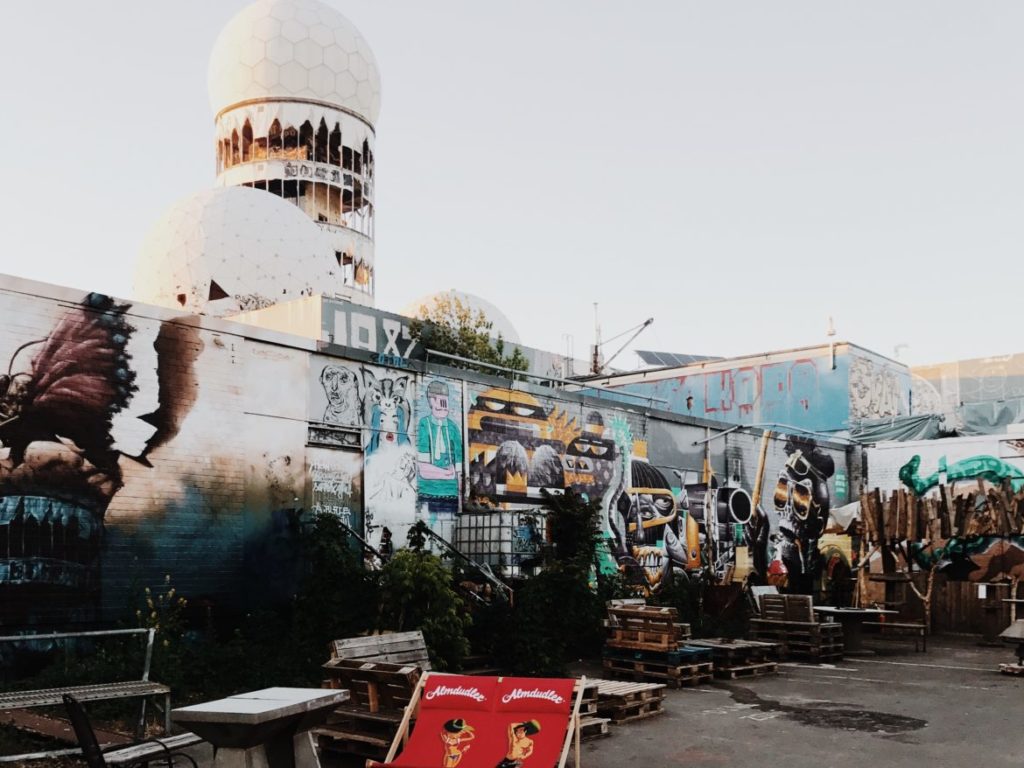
[[947, 707]]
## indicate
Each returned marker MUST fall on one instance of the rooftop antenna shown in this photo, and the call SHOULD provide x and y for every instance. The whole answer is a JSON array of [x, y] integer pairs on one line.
[[597, 363], [830, 332]]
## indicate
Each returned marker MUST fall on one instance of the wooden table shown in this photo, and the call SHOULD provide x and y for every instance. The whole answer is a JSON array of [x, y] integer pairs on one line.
[[853, 620], [263, 729]]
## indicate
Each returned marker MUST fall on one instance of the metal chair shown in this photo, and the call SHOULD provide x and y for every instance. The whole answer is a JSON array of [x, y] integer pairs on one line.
[[139, 752]]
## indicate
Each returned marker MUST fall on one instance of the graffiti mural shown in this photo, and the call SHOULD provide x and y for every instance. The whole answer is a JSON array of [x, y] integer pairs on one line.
[[876, 389], [519, 447], [439, 454], [803, 502], [379, 402], [65, 423], [984, 467], [652, 536], [981, 559]]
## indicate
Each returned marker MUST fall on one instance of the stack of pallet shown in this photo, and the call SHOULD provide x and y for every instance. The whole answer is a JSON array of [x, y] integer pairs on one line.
[[622, 702], [592, 725], [741, 658], [789, 621], [366, 725], [647, 643]]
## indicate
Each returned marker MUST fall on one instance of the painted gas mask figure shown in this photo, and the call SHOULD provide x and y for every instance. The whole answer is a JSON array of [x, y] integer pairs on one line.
[[803, 502], [650, 546]]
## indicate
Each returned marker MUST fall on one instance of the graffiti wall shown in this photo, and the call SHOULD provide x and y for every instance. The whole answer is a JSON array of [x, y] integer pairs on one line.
[[977, 396], [921, 465], [664, 515], [137, 443], [378, 403], [817, 388]]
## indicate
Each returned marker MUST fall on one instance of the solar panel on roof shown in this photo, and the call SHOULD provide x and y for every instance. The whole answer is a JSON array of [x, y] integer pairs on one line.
[[668, 359]]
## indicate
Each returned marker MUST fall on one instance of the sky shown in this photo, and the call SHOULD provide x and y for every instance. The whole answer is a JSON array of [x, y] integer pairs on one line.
[[738, 171]]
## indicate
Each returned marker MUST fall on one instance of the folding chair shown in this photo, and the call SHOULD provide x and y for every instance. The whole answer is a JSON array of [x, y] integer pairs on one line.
[[488, 722]]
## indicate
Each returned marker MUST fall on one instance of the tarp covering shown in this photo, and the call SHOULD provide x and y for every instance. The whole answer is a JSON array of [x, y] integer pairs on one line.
[[925, 427], [990, 418]]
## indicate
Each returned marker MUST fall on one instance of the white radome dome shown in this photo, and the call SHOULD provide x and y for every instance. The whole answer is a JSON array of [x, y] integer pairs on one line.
[[231, 249], [294, 49], [500, 324]]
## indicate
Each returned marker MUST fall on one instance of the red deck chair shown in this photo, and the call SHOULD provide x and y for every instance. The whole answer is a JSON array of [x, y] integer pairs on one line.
[[488, 722]]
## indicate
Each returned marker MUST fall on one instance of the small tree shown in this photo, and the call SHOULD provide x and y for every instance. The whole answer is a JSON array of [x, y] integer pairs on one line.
[[417, 593], [450, 326]]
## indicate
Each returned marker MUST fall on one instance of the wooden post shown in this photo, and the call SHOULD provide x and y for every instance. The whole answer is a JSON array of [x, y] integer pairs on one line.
[[761, 461]]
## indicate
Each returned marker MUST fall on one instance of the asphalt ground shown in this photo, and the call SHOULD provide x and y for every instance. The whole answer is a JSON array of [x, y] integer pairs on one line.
[[947, 707]]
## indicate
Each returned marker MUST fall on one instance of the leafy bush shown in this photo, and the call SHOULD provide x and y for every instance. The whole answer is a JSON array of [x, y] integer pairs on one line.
[[416, 593]]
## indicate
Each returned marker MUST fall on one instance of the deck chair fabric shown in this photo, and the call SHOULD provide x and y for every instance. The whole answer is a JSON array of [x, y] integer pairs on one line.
[[489, 722]]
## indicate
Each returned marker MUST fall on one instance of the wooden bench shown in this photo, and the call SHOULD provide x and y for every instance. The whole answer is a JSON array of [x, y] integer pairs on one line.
[[902, 629], [143, 688], [395, 648]]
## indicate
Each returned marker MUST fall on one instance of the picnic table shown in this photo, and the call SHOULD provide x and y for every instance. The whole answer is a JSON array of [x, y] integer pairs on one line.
[[853, 620], [271, 727]]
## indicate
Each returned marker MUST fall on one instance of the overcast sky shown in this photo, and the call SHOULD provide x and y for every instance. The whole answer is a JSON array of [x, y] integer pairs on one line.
[[738, 171]]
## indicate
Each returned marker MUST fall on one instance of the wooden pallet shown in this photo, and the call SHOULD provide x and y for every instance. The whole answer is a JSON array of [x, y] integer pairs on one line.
[[747, 670], [682, 655], [728, 652], [623, 701], [798, 639], [673, 676], [594, 727]]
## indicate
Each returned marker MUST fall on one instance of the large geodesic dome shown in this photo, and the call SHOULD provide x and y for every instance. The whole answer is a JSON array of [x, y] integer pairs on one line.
[[299, 49], [232, 249]]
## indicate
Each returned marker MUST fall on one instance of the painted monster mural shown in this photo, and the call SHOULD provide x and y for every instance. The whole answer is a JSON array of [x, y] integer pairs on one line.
[[651, 533], [520, 446], [60, 445]]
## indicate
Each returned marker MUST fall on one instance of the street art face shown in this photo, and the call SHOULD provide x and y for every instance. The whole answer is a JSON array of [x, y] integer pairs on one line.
[[342, 390], [59, 466], [386, 410], [379, 403], [802, 501], [651, 530]]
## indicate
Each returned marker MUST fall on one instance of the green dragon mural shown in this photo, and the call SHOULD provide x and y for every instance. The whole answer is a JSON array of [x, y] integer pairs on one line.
[[986, 467]]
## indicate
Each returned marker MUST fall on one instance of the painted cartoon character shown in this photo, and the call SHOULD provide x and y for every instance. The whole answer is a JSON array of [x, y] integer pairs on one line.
[[386, 409], [803, 502], [439, 447], [520, 745], [455, 736], [342, 390]]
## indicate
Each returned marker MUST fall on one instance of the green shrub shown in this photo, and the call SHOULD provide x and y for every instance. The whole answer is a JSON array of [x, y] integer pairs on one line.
[[416, 592]]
